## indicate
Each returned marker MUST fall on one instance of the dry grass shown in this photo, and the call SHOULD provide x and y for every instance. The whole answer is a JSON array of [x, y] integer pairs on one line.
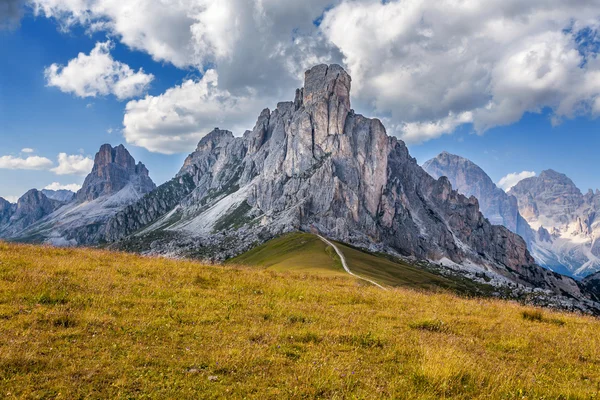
[[95, 324]]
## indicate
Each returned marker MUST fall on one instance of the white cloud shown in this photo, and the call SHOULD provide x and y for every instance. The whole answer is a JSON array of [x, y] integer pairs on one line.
[[73, 165], [427, 66], [260, 49], [10, 13], [27, 150], [426, 61], [511, 180], [176, 120], [418, 132], [98, 74], [73, 187], [31, 163]]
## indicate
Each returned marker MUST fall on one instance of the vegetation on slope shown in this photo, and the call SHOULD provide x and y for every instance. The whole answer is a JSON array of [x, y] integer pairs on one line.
[[81, 323], [306, 252]]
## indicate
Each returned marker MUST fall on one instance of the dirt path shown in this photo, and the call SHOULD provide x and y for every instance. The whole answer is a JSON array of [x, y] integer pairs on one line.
[[345, 265]]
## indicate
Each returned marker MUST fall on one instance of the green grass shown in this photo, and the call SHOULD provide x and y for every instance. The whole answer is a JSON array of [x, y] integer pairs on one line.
[[306, 252], [300, 252], [79, 323]]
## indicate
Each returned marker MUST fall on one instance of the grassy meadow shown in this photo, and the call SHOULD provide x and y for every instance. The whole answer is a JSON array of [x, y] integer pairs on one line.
[[80, 323]]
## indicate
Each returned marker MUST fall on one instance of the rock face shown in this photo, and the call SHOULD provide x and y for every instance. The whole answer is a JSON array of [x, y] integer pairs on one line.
[[115, 182], [30, 208], [312, 164], [114, 169], [469, 179], [567, 221], [6, 211], [592, 285], [63, 196]]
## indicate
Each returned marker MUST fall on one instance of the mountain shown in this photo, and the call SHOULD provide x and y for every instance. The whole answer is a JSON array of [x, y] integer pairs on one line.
[[7, 210], [568, 221], [556, 220], [470, 180], [115, 182], [313, 164], [30, 208], [62, 195], [592, 285]]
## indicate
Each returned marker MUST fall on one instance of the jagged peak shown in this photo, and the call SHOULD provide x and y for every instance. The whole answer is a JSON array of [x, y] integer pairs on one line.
[[114, 155], [114, 168], [323, 81], [213, 138]]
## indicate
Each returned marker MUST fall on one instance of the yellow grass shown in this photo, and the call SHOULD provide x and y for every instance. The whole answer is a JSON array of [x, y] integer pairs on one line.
[[95, 324]]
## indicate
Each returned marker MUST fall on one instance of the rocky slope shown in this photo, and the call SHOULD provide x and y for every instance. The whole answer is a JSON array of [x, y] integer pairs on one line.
[[313, 164], [498, 206], [567, 220], [7, 210], [62, 195], [30, 208], [592, 285], [469, 179], [115, 182]]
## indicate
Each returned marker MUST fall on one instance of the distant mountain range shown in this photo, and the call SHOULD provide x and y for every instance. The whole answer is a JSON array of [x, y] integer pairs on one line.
[[560, 225], [311, 165]]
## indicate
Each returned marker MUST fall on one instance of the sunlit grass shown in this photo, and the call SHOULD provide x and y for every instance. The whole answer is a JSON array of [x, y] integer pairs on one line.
[[78, 323]]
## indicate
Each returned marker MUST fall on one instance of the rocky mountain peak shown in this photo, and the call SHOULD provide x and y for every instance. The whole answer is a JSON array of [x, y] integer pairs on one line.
[[551, 194], [469, 179], [326, 97], [114, 168], [31, 207], [61, 195], [7, 209]]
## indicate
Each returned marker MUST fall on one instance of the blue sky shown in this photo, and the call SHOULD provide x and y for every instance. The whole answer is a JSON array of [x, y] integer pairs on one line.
[[199, 73]]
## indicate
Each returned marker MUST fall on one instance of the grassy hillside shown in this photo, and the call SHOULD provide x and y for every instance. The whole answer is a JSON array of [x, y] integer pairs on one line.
[[78, 323], [306, 252], [300, 252]]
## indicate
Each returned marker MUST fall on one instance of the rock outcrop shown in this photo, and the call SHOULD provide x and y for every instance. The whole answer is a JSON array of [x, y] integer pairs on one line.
[[114, 169], [63, 196], [30, 208], [313, 164], [469, 179], [7, 210], [592, 285], [567, 222], [115, 182]]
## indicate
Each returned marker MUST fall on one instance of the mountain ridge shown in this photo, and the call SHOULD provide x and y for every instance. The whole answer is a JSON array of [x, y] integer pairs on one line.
[[313, 164]]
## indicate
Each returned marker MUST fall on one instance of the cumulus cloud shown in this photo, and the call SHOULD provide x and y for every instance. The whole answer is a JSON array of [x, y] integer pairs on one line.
[[30, 163], [510, 180], [98, 74], [260, 49], [10, 13], [424, 62], [73, 187], [176, 120], [426, 66], [73, 165], [27, 150]]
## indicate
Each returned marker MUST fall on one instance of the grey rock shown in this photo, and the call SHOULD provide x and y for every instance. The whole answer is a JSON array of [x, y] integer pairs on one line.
[[114, 168], [115, 182], [63, 196], [567, 222], [30, 208], [470, 180], [312, 164], [7, 210]]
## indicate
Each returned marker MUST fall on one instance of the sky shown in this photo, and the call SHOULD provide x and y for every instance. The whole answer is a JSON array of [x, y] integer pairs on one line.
[[514, 86]]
